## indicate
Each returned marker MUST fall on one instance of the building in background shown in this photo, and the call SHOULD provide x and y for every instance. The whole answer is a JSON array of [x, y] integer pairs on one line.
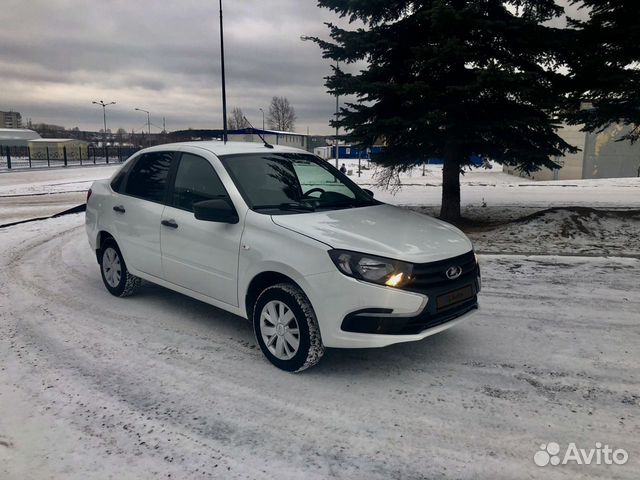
[[601, 155], [10, 120], [16, 137], [53, 148], [274, 137]]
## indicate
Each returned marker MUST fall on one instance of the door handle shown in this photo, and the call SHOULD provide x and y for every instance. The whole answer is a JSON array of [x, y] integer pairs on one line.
[[119, 209], [169, 223]]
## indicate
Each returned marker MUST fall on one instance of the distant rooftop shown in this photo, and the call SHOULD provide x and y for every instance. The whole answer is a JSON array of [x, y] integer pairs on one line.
[[55, 140], [17, 134], [249, 131], [218, 147], [243, 131]]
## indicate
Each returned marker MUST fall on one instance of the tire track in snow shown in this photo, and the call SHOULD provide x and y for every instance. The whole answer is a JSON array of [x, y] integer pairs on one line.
[[38, 261], [164, 384]]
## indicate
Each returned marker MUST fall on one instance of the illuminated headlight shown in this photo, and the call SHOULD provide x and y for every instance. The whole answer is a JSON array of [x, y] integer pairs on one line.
[[371, 268]]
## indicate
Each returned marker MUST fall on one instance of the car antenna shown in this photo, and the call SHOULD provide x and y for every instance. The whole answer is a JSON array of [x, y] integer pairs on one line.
[[266, 144]]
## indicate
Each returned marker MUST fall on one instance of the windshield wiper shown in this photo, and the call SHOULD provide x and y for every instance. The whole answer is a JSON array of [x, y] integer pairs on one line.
[[286, 206]]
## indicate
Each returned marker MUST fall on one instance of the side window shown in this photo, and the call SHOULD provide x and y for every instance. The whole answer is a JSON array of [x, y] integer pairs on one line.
[[148, 177], [196, 181], [117, 184]]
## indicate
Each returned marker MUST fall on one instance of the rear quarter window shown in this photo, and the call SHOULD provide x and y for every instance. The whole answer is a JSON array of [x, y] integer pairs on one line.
[[117, 184]]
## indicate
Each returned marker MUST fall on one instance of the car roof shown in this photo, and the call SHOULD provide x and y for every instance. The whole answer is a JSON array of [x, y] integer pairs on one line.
[[218, 147]]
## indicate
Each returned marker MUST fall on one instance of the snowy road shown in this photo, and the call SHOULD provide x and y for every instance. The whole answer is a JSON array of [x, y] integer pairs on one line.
[[93, 387], [38, 193], [20, 208]]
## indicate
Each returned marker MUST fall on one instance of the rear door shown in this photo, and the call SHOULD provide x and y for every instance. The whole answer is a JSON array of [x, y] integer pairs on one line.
[[199, 255], [137, 211]]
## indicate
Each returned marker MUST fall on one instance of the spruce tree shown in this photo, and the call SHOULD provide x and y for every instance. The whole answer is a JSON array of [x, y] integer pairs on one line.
[[448, 79], [604, 65]]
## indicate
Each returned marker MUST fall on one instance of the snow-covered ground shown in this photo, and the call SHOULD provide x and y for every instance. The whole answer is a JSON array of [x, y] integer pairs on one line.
[[54, 180], [495, 188], [563, 231], [509, 196], [479, 186], [160, 385], [32, 194]]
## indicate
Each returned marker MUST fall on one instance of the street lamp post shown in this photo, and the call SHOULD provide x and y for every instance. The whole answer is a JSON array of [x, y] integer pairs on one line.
[[224, 88], [148, 117], [104, 117], [262, 120], [337, 113], [305, 38]]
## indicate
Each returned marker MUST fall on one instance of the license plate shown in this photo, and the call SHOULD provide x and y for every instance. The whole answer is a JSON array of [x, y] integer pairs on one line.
[[456, 296]]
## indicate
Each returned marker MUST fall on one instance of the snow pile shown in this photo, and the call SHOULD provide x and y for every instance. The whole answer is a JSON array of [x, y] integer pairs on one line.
[[571, 230]]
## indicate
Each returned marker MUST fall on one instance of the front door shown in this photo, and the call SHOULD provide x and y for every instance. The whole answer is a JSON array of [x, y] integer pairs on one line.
[[199, 255]]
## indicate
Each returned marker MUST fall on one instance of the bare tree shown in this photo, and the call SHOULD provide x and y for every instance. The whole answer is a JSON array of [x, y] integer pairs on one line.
[[236, 120], [282, 115], [120, 133]]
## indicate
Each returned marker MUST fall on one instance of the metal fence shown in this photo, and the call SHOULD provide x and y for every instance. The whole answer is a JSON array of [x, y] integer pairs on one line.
[[14, 158]]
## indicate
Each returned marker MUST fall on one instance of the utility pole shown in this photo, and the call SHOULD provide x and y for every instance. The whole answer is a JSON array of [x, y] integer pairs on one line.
[[224, 88], [262, 119], [148, 118], [104, 118], [337, 113]]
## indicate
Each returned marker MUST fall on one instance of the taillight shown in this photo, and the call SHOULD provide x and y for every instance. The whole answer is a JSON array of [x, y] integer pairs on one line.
[[88, 195]]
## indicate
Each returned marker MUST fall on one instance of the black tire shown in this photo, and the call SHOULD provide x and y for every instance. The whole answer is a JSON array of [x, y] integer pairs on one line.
[[127, 283], [311, 348]]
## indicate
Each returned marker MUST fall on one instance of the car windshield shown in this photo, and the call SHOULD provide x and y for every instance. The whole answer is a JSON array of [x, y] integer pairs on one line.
[[274, 182]]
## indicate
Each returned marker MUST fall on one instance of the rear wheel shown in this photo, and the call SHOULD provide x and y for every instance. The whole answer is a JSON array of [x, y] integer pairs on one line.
[[286, 328], [114, 271]]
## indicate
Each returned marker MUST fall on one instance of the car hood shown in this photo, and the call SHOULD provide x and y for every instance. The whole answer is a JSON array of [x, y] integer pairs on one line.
[[382, 230]]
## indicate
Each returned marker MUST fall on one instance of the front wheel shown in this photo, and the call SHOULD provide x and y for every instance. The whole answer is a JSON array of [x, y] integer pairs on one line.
[[114, 271], [286, 328]]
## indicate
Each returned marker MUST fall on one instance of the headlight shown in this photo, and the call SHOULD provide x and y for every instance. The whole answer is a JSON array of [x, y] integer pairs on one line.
[[371, 268]]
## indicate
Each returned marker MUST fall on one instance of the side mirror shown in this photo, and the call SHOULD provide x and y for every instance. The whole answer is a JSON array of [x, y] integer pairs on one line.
[[368, 192], [217, 210]]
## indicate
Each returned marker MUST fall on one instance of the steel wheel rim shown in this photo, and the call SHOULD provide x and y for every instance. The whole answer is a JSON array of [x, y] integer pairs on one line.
[[111, 267], [279, 330]]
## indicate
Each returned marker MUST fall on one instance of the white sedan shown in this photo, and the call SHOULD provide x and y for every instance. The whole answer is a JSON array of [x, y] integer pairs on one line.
[[279, 236]]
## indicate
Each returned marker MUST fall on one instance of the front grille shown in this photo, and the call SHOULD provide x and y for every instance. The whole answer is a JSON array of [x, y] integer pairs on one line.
[[429, 277]]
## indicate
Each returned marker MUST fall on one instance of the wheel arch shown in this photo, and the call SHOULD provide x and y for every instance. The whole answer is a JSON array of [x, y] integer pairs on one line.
[[260, 282], [102, 237]]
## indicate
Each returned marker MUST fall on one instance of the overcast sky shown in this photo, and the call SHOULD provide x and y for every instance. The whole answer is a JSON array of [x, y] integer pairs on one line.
[[57, 56]]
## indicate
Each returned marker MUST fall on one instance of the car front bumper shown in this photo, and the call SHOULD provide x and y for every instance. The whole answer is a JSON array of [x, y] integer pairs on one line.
[[356, 314]]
